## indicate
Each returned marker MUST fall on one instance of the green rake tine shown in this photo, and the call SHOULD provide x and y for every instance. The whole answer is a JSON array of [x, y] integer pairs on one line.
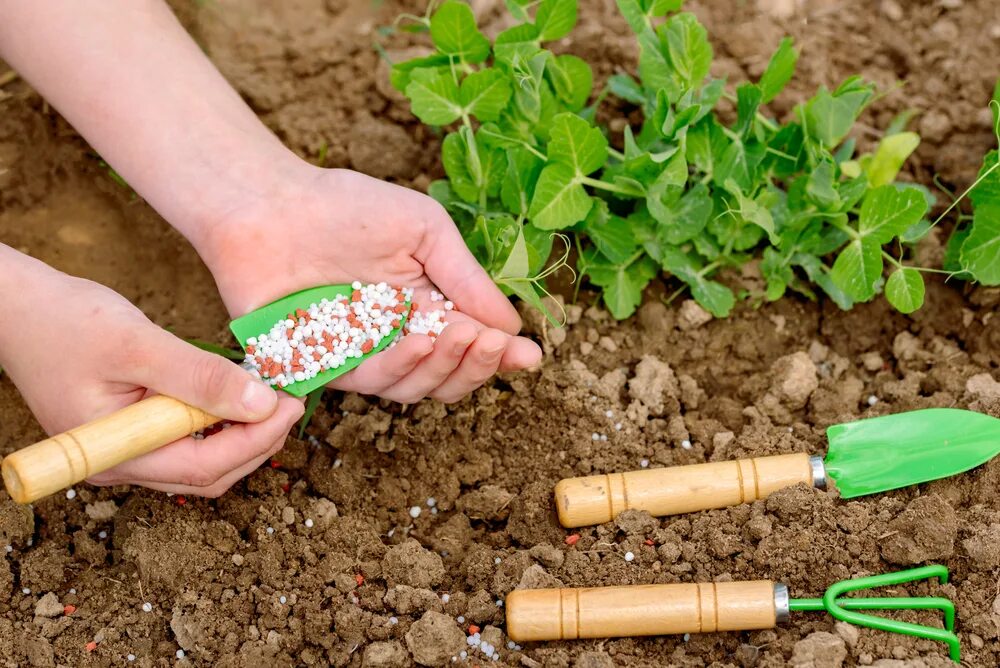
[[837, 611], [946, 607]]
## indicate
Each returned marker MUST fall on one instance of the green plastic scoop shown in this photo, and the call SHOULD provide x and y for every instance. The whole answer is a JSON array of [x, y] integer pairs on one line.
[[261, 320], [883, 453]]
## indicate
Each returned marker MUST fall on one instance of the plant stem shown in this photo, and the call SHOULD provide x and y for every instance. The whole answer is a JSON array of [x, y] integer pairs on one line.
[[966, 193], [610, 187]]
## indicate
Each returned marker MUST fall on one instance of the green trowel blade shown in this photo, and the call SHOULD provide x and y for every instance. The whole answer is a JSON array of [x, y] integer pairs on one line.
[[893, 451], [260, 321]]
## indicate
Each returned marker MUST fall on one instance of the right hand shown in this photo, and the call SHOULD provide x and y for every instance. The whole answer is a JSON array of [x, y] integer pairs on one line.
[[78, 351]]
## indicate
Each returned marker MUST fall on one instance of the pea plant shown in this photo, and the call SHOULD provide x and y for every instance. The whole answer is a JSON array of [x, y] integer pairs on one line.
[[707, 182], [973, 252]]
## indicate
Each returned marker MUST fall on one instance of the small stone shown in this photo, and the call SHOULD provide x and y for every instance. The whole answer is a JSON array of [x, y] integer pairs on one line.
[[288, 515], [795, 379], [819, 650], [434, 639], [692, 316], [238, 559], [872, 361], [49, 606], [983, 385], [586, 348], [848, 632], [892, 10], [101, 511]]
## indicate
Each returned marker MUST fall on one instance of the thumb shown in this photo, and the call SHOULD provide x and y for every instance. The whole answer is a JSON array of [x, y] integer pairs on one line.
[[210, 382]]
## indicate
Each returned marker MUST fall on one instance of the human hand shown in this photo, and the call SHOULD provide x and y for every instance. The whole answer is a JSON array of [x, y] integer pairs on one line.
[[337, 226], [93, 352]]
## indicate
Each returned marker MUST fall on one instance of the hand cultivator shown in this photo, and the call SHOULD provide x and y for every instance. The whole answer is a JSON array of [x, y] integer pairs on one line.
[[645, 610], [865, 457], [298, 343]]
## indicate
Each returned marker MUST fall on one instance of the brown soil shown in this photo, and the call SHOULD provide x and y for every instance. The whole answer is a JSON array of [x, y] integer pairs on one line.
[[363, 586]]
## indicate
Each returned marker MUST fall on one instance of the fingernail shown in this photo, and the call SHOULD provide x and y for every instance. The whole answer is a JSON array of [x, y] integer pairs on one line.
[[258, 400], [460, 348]]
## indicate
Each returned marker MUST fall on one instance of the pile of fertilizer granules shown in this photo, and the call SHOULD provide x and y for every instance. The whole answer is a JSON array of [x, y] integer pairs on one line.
[[327, 334]]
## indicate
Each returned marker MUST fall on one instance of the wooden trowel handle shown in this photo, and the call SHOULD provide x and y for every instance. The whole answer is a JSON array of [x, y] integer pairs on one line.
[[680, 489], [65, 459], [643, 610]]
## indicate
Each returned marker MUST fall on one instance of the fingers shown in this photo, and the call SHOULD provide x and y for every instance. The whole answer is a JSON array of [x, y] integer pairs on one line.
[[521, 353], [387, 367], [170, 366], [477, 366], [449, 264], [206, 464], [449, 349]]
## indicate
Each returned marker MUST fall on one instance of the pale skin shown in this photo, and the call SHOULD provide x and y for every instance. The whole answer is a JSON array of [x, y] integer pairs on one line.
[[134, 84]]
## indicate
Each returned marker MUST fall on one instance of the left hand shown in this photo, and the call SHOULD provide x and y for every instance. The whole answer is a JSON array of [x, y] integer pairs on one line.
[[336, 226]]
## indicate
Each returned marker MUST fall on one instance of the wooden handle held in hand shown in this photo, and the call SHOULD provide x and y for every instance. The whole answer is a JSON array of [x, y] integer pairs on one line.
[[65, 459], [643, 610], [677, 489]]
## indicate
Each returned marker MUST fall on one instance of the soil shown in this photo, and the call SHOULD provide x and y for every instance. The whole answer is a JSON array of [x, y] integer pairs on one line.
[[242, 581]]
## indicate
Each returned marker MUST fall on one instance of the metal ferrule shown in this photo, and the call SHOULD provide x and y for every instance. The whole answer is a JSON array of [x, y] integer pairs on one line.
[[819, 472], [782, 608]]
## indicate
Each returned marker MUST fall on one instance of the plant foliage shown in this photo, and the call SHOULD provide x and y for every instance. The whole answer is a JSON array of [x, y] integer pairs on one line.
[[691, 193]]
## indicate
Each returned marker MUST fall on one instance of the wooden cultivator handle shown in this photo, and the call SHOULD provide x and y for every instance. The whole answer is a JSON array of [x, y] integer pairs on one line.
[[681, 489], [65, 459], [644, 610]]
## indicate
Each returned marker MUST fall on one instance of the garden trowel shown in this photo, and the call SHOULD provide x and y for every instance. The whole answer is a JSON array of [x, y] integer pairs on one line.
[[864, 457]]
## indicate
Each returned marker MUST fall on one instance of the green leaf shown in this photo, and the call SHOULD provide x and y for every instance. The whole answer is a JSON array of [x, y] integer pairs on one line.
[[519, 9], [776, 272], [454, 32], [829, 116], [623, 285], [516, 264], [667, 188], [888, 212], [905, 290], [455, 158], [752, 212], [686, 217], [858, 269], [779, 70], [634, 14], [434, 96], [627, 88], [577, 144], [748, 99], [559, 200], [818, 274], [555, 18], [706, 144], [484, 94], [662, 7], [980, 252], [821, 187], [611, 234], [892, 152], [517, 44], [686, 44], [572, 80], [523, 168], [399, 77], [716, 298]]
